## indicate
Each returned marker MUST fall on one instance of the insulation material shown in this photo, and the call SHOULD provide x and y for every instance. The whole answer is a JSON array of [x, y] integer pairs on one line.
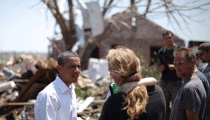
[[97, 69], [7, 85], [96, 19], [92, 17]]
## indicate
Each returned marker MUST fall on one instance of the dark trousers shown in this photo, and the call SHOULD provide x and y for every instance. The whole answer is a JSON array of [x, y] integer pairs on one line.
[[170, 90]]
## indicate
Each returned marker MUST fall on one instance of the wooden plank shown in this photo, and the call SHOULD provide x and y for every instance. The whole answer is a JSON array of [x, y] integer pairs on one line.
[[85, 104], [99, 101], [18, 104], [21, 80], [40, 74]]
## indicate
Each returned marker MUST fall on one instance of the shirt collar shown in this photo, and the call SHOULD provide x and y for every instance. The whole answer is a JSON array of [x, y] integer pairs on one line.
[[62, 86]]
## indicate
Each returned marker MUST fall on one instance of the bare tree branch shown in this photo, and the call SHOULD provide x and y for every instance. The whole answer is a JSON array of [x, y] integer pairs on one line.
[[158, 7], [68, 36], [70, 43], [35, 5], [105, 9], [56, 13], [189, 8], [72, 27], [182, 17], [147, 9], [105, 2], [172, 11]]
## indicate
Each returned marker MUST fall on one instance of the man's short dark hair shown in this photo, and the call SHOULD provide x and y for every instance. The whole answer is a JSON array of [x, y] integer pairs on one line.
[[204, 47], [167, 33], [189, 54], [64, 57]]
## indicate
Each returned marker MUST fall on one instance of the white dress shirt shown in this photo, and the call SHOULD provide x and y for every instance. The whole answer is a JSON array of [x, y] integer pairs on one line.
[[56, 102]]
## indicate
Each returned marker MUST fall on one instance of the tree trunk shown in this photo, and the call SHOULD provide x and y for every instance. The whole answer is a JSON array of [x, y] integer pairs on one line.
[[70, 42], [68, 31], [86, 53]]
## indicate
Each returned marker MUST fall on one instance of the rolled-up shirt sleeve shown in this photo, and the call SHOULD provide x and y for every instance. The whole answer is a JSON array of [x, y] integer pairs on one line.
[[46, 107]]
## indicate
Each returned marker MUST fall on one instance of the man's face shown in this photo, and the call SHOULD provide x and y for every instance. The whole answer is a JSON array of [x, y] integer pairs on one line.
[[168, 39], [70, 71], [204, 56], [181, 64]]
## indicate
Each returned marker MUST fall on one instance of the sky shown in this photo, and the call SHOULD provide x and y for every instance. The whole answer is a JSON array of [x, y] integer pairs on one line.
[[24, 28], [26, 24]]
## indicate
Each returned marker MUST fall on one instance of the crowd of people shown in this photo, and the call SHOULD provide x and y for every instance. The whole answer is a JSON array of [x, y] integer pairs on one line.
[[130, 96]]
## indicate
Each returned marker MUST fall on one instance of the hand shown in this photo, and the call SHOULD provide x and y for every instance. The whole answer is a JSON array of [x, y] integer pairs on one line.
[[171, 67], [148, 81], [162, 67]]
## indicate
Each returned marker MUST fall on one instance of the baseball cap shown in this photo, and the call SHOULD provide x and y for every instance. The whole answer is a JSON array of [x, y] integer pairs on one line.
[[203, 47]]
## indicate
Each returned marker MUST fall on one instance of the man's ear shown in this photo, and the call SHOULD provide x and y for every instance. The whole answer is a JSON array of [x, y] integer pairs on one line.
[[174, 37], [193, 62], [59, 68]]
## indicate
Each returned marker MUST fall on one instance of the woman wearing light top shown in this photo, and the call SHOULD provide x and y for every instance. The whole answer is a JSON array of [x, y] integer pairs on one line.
[[139, 102]]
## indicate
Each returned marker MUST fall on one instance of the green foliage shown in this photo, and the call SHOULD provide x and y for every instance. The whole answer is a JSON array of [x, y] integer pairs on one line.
[[82, 92], [149, 71]]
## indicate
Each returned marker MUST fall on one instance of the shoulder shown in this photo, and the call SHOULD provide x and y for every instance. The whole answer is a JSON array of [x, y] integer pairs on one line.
[[154, 88], [49, 90], [155, 92], [116, 98], [159, 91], [201, 75], [194, 82], [176, 46], [161, 49], [47, 96], [157, 88], [205, 67], [114, 101], [194, 85]]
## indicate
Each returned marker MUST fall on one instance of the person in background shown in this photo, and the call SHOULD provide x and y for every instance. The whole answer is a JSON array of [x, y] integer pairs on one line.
[[191, 100], [57, 101], [169, 82], [204, 55], [138, 103]]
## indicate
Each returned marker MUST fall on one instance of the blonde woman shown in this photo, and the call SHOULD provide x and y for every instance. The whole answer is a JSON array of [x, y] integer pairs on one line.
[[138, 103]]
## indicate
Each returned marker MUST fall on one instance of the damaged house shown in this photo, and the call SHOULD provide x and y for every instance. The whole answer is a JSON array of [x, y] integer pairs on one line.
[[130, 30]]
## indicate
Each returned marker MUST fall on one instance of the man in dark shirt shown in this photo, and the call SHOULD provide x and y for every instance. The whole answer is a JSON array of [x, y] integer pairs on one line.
[[170, 82], [207, 89], [190, 102], [204, 55]]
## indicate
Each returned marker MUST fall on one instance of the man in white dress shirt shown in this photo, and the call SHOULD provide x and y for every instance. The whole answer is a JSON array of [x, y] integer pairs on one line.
[[57, 101]]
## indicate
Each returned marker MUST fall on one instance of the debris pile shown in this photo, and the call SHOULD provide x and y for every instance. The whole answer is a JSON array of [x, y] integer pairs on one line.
[[24, 76]]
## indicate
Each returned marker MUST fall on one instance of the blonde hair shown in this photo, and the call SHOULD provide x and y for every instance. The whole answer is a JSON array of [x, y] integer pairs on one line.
[[125, 62]]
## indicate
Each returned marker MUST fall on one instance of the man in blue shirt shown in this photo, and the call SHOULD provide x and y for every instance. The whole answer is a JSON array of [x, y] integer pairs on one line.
[[191, 100], [204, 55]]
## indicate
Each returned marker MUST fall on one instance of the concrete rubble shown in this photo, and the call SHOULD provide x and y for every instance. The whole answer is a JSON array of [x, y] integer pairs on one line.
[[24, 76]]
